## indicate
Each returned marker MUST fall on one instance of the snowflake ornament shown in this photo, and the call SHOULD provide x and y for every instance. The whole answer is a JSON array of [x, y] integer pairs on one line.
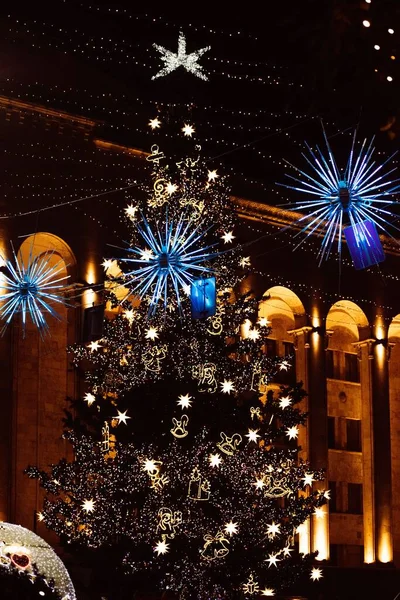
[[31, 289], [177, 254]]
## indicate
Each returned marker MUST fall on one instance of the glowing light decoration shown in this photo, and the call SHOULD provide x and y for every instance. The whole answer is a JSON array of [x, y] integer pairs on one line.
[[173, 61], [364, 245], [336, 199], [18, 540], [176, 253], [203, 296], [31, 289]]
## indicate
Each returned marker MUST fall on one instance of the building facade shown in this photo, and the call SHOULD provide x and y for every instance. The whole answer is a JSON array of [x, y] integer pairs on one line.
[[342, 327]]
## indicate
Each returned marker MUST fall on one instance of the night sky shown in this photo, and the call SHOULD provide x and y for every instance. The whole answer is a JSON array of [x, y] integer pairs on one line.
[[275, 71]]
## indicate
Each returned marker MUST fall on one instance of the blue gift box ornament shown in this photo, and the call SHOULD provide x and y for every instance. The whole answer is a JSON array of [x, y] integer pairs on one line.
[[203, 295], [364, 244]]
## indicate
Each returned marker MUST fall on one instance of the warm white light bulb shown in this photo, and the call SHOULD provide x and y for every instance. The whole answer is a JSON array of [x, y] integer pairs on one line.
[[391, 31], [377, 47], [389, 78], [366, 23]]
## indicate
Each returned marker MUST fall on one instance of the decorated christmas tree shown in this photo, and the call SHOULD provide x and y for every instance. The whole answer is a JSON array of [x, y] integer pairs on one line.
[[186, 474]]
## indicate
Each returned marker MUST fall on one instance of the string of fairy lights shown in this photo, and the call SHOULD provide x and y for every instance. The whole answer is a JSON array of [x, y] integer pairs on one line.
[[381, 35]]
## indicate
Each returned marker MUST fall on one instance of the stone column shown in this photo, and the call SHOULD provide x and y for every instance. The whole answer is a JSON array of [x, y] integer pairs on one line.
[[301, 346], [318, 425], [365, 356], [6, 404], [382, 451]]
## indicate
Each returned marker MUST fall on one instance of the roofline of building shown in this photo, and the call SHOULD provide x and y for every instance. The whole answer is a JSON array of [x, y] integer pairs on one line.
[[247, 209], [13, 104]]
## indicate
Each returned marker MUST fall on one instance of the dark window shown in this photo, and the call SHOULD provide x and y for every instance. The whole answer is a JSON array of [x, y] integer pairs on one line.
[[333, 554], [332, 364], [331, 432], [354, 498], [288, 348], [353, 431], [329, 363], [332, 496], [270, 347], [93, 323], [351, 365]]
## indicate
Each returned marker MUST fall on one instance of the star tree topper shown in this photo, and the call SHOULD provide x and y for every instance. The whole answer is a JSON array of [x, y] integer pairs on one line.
[[174, 60]]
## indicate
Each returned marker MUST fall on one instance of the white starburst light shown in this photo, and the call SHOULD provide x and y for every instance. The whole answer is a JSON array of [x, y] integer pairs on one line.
[[122, 417], [319, 512], [212, 175], [284, 365], [273, 529], [107, 264], [272, 560], [308, 479], [184, 401], [131, 211], [151, 333], [260, 483], [150, 466], [227, 386], [253, 334], [231, 528], [129, 315], [316, 574], [188, 130], [263, 322], [253, 435], [287, 550], [88, 505], [245, 262], [228, 237], [94, 346], [215, 460], [285, 402], [171, 188], [89, 398], [292, 432], [155, 123], [174, 60], [268, 592], [161, 548]]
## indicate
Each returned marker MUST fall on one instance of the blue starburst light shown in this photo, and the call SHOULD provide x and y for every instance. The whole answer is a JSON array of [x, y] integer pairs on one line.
[[31, 289], [335, 199], [176, 254]]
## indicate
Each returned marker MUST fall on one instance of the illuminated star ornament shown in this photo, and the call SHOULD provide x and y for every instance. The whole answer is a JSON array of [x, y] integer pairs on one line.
[[88, 505], [215, 460], [253, 435], [227, 387], [292, 432], [173, 61], [161, 548], [155, 123], [188, 130], [336, 199], [31, 289], [231, 528], [122, 417], [184, 401], [316, 574], [176, 255]]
